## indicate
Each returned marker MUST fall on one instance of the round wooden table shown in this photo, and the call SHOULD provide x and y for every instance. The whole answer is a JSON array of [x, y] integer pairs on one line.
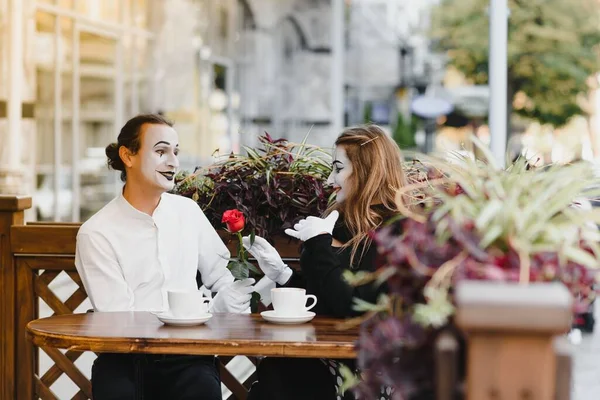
[[223, 334]]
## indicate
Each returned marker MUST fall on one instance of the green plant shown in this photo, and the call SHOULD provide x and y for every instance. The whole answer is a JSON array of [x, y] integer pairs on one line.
[[404, 132], [368, 113]]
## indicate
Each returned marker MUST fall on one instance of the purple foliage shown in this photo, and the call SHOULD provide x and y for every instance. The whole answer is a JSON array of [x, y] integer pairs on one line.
[[272, 195]]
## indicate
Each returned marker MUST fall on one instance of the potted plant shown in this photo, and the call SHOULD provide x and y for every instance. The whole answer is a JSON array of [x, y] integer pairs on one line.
[[516, 225], [274, 185]]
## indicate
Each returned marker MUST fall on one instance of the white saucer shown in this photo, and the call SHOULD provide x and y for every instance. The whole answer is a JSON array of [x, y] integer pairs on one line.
[[271, 316], [169, 319]]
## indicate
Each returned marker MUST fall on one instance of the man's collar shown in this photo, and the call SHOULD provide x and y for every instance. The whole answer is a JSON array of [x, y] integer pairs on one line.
[[133, 212]]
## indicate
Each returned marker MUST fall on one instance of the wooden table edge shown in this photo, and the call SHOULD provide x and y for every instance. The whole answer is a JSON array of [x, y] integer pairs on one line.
[[189, 346]]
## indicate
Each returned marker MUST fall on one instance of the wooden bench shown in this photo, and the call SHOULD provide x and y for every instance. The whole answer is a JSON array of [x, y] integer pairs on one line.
[[33, 255]]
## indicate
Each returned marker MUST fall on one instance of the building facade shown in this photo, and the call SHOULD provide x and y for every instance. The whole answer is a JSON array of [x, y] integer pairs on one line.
[[73, 71]]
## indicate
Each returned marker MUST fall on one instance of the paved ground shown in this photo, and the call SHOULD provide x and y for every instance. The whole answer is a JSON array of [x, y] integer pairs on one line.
[[586, 371]]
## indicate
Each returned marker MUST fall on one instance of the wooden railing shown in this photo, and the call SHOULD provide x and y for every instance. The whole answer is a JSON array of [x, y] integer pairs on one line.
[[499, 323], [11, 214]]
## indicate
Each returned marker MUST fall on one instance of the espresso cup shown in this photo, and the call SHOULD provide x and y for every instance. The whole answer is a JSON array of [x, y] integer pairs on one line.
[[187, 304], [291, 301]]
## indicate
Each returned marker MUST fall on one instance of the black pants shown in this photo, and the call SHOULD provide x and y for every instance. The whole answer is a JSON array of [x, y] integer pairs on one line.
[[293, 379], [155, 377]]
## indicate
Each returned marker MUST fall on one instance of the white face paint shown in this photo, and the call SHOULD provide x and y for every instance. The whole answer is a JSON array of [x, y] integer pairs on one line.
[[157, 156], [340, 174]]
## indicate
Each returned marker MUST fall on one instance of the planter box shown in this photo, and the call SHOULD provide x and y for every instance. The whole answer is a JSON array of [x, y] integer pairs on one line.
[[511, 330]]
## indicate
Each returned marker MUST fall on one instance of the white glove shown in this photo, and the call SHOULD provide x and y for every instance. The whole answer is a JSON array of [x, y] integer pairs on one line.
[[313, 226], [268, 259], [234, 298]]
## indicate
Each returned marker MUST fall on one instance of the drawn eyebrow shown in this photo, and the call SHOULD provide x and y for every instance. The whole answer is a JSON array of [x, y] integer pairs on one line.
[[337, 162], [163, 142]]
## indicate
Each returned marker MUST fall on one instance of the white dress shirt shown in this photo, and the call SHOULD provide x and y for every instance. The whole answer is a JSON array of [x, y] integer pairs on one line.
[[128, 260]]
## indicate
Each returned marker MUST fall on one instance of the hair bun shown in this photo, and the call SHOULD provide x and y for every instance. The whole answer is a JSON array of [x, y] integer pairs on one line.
[[114, 160]]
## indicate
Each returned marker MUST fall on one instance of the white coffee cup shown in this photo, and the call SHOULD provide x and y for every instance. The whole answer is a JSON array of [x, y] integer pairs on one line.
[[188, 304], [291, 301]]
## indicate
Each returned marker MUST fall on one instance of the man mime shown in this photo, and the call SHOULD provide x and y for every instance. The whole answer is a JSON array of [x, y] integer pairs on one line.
[[142, 244]]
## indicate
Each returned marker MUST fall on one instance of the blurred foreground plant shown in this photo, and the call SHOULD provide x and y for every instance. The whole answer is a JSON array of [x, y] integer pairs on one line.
[[506, 225]]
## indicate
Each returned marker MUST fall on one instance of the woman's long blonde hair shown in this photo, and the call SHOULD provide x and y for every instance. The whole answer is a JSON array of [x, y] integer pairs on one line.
[[376, 176]]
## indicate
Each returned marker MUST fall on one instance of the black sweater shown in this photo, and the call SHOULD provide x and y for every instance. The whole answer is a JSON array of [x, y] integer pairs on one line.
[[321, 272]]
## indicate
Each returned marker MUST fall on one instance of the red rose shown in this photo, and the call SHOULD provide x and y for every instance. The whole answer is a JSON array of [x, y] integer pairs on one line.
[[234, 220]]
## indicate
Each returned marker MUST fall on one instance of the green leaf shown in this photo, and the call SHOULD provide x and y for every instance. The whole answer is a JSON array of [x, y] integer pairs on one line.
[[489, 156], [268, 176], [385, 275], [238, 270], [249, 266], [361, 305], [488, 213], [349, 379], [252, 237], [255, 156], [441, 212], [490, 236], [581, 257], [356, 278]]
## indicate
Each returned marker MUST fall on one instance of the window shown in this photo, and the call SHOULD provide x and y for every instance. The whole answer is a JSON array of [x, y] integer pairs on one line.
[[92, 75]]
